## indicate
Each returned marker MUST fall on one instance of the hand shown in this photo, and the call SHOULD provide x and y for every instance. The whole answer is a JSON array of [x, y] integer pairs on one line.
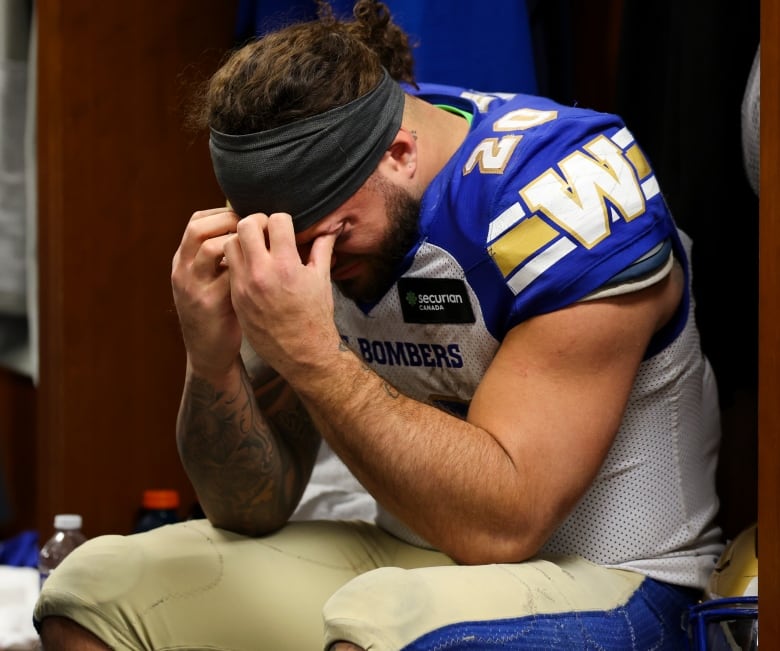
[[201, 291], [285, 306]]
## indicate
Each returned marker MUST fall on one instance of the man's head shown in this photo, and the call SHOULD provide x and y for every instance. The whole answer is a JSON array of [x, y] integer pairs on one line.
[[310, 120], [300, 118], [309, 167]]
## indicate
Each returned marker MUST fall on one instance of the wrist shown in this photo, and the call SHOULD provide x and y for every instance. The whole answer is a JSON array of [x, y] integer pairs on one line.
[[335, 372], [300, 359], [259, 371], [218, 375]]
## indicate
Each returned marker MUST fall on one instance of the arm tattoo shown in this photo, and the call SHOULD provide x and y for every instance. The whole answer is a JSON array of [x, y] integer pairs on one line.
[[390, 390], [244, 464], [218, 424]]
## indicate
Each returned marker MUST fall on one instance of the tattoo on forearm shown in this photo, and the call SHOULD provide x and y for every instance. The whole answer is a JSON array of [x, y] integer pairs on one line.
[[217, 423], [233, 457], [390, 390], [294, 424]]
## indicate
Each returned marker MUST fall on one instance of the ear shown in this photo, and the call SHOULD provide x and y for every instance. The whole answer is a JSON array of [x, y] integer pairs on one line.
[[400, 159]]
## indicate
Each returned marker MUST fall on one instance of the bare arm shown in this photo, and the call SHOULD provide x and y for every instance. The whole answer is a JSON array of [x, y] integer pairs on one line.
[[248, 451], [494, 487], [490, 488], [248, 454]]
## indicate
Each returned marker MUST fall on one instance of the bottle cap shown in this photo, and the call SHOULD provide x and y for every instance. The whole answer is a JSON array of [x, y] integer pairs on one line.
[[67, 521], [161, 499]]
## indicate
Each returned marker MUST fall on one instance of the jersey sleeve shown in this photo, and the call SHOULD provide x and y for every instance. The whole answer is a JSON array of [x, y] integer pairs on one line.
[[572, 203]]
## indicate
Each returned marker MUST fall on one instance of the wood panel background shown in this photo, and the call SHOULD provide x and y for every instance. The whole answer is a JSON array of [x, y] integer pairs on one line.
[[118, 179]]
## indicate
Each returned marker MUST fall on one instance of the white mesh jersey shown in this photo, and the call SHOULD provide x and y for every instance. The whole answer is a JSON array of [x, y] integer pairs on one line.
[[540, 207]]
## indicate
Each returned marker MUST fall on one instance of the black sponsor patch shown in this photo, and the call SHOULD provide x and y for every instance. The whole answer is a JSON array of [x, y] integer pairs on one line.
[[435, 300]]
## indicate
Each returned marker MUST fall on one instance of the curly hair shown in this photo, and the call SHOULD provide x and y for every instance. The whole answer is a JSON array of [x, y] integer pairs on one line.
[[305, 69]]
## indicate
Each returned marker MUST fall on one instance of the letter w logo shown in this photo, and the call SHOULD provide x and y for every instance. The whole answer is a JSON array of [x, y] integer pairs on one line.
[[593, 189]]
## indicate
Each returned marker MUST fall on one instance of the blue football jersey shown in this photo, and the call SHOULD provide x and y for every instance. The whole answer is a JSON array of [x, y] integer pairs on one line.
[[541, 206], [543, 203]]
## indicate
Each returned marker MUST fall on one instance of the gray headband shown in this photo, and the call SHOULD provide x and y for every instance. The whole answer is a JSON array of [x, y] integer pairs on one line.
[[310, 167]]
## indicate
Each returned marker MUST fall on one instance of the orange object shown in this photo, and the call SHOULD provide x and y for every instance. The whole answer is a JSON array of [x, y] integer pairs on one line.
[[160, 499]]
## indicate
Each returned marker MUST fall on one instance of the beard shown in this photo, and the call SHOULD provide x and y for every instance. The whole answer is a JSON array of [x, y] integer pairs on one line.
[[403, 214]]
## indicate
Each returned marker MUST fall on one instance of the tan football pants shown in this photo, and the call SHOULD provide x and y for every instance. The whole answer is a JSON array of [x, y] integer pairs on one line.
[[191, 586]]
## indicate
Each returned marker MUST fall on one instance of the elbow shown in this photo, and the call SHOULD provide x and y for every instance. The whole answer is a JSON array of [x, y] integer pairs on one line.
[[508, 538], [250, 522], [251, 528], [485, 548], [493, 554]]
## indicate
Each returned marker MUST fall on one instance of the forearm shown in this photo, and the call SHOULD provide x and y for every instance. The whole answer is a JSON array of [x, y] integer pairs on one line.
[[446, 478], [247, 453]]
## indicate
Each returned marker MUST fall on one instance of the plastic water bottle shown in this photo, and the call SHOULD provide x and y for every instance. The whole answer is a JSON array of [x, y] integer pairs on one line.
[[158, 507], [67, 536]]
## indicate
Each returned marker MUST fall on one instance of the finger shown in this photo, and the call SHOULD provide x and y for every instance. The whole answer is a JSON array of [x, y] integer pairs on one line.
[[322, 252], [281, 236], [208, 259], [204, 225], [200, 214], [232, 253], [251, 232]]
